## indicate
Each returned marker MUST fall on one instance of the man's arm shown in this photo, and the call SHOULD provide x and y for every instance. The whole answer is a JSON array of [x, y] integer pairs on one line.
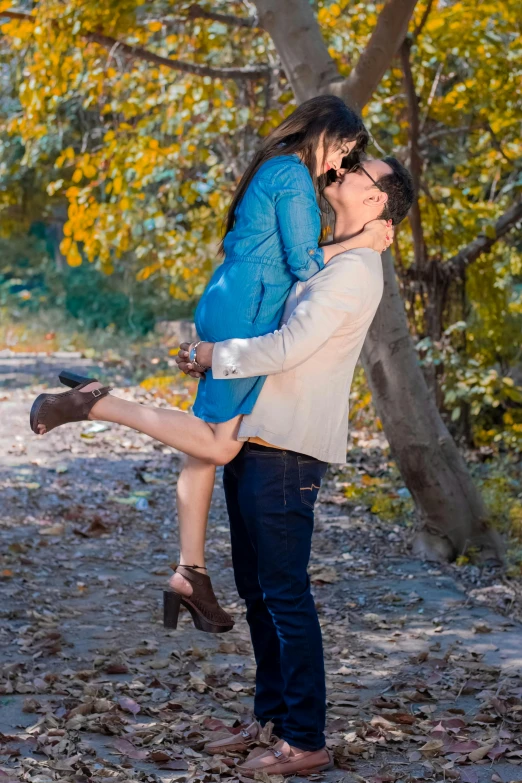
[[340, 290]]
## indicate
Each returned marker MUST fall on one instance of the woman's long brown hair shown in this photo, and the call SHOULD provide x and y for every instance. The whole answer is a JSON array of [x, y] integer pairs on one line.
[[301, 133]]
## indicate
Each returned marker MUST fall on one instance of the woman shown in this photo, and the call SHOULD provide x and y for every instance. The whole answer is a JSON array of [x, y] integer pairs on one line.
[[271, 240]]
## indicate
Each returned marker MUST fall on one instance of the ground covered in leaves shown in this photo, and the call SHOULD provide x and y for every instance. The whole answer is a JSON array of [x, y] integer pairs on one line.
[[423, 667]]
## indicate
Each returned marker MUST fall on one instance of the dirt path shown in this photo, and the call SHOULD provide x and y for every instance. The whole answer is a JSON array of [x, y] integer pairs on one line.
[[423, 682]]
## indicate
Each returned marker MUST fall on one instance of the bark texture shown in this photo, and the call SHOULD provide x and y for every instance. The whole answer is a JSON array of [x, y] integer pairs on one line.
[[389, 33], [294, 30], [451, 511]]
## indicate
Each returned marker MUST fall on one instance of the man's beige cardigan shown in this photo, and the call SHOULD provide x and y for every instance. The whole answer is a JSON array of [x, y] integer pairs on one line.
[[310, 360]]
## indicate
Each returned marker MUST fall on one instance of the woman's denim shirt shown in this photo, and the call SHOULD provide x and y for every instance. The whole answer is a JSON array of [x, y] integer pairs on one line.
[[274, 242], [278, 220]]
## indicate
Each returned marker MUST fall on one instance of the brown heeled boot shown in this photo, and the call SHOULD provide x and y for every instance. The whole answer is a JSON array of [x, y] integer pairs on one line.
[[53, 410], [207, 615]]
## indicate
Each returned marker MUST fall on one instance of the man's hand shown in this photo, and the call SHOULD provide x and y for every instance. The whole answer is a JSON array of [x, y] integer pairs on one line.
[[204, 357]]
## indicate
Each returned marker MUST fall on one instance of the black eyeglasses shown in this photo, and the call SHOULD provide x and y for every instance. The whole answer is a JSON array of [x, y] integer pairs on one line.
[[360, 167]]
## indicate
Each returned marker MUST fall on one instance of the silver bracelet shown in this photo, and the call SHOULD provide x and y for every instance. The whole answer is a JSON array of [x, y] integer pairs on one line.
[[193, 351], [193, 358]]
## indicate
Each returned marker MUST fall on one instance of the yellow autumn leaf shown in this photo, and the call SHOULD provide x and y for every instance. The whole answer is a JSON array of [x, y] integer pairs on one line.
[[73, 256], [90, 171], [65, 246], [323, 15], [214, 199]]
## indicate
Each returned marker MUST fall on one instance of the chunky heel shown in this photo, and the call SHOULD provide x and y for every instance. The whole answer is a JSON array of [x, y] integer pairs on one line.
[[206, 613], [171, 607], [72, 380]]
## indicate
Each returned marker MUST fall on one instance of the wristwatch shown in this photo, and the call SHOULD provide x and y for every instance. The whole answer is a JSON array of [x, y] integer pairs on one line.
[[192, 357]]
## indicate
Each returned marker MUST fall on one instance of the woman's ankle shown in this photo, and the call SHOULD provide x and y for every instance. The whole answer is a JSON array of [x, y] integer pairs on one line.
[[194, 559], [90, 387], [181, 585]]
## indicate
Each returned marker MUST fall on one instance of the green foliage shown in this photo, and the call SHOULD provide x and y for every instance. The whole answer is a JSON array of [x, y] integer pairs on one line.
[[382, 495], [500, 483], [32, 280], [478, 386]]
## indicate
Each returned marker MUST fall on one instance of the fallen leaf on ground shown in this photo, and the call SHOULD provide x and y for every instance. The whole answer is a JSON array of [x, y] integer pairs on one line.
[[126, 748], [129, 705]]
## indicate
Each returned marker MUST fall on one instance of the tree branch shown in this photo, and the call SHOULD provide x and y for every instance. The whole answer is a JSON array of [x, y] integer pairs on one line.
[[497, 144], [306, 61], [420, 27], [197, 12], [294, 30], [482, 244], [388, 35], [455, 267], [248, 73], [431, 96], [18, 15], [412, 102], [449, 131]]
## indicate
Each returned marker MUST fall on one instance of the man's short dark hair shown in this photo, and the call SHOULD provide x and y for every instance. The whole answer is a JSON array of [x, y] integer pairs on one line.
[[400, 190]]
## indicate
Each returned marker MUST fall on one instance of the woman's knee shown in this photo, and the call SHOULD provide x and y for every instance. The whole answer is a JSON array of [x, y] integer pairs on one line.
[[225, 453]]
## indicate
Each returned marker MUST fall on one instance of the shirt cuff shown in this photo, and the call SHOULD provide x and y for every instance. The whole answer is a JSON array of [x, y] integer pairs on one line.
[[318, 256], [223, 364]]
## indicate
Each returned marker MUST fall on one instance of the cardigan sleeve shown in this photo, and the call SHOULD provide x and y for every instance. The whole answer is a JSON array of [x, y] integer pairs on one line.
[[338, 296]]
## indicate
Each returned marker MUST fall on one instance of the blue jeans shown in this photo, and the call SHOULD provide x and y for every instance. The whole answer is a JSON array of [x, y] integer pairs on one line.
[[270, 498]]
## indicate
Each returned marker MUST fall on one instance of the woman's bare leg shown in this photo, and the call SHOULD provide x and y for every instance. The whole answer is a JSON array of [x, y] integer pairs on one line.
[[204, 443], [216, 444], [193, 496]]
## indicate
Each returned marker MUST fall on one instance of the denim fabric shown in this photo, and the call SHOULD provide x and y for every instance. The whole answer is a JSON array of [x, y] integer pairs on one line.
[[270, 498], [274, 242]]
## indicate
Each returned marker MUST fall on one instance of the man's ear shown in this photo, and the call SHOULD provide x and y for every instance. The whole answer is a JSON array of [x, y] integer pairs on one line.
[[378, 199]]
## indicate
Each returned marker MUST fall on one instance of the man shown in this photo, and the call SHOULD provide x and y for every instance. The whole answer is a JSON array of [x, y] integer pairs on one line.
[[298, 425]]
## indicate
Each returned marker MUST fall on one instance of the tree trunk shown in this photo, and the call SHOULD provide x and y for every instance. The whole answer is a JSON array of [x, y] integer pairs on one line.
[[451, 512], [294, 30]]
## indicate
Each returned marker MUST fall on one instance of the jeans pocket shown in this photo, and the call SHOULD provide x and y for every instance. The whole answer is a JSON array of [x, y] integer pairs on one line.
[[311, 473]]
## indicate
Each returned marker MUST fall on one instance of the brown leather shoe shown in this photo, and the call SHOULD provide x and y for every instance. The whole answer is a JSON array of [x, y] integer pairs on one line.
[[207, 615], [284, 760], [236, 743], [52, 410]]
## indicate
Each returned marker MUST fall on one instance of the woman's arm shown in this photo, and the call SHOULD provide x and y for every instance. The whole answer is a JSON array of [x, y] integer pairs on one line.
[[307, 258], [298, 217], [377, 235], [300, 227]]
